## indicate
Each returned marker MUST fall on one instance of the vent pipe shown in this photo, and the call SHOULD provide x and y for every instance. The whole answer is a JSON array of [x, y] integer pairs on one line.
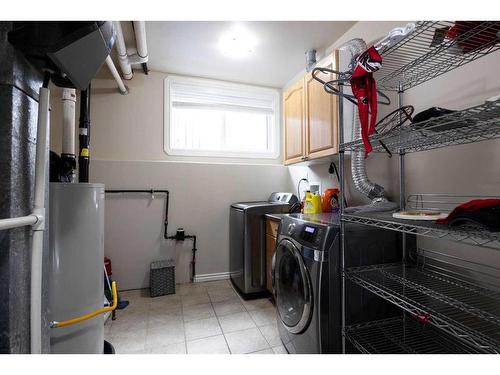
[[84, 136], [310, 59], [68, 159]]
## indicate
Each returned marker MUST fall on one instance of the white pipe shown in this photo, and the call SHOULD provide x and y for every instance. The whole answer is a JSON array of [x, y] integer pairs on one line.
[[42, 155], [116, 76], [68, 131], [122, 52], [140, 39], [16, 222]]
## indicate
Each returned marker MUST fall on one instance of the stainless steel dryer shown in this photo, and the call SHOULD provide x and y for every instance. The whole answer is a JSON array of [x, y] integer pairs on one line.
[[247, 247]]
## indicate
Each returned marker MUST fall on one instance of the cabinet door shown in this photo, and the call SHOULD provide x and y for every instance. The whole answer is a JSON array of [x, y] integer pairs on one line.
[[270, 248], [321, 114], [294, 117]]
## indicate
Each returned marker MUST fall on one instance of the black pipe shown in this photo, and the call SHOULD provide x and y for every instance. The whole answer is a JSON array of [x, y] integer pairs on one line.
[[84, 136], [145, 68], [151, 191], [46, 80], [193, 259]]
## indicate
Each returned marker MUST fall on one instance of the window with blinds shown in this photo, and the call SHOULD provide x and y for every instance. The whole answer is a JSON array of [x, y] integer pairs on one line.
[[220, 119]]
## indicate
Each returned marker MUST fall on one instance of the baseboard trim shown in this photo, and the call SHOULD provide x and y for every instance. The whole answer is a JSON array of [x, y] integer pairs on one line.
[[211, 277]]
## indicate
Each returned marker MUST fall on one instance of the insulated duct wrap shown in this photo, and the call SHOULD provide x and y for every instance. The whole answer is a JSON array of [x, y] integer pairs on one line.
[[358, 168]]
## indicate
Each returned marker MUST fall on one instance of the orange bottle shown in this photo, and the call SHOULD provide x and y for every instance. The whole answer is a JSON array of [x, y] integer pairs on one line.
[[330, 200]]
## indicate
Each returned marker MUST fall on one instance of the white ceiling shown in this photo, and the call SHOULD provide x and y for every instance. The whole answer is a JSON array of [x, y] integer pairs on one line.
[[190, 48]]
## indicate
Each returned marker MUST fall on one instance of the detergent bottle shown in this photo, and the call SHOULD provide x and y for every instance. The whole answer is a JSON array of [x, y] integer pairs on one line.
[[312, 203], [330, 200]]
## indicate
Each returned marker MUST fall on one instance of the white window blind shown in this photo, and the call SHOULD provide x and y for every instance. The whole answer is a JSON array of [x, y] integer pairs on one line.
[[212, 118]]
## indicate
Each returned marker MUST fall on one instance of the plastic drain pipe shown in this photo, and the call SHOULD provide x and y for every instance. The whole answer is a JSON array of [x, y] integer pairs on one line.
[[116, 76], [42, 154], [122, 52]]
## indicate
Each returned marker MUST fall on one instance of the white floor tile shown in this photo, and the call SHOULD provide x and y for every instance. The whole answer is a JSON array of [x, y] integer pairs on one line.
[[195, 312], [280, 349], [255, 304], [265, 351], [247, 341], [165, 335], [236, 322], [209, 345], [228, 307], [196, 299], [263, 317], [220, 295], [202, 328], [179, 348], [271, 333]]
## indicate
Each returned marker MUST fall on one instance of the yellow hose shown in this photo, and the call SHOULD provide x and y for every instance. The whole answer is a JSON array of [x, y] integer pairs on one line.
[[88, 316]]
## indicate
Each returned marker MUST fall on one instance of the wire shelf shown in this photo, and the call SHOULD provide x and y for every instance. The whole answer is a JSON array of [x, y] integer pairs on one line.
[[462, 309], [426, 53], [470, 235], [404, 336], [475, 124]]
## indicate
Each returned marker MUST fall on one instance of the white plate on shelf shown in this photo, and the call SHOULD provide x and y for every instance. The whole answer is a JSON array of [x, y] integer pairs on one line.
[[419, 215]]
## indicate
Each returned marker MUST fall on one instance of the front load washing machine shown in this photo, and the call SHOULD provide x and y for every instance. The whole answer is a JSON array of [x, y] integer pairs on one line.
[[307, 279]]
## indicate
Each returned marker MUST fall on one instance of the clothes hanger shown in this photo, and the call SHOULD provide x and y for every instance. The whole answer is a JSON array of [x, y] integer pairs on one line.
[[345, 78]]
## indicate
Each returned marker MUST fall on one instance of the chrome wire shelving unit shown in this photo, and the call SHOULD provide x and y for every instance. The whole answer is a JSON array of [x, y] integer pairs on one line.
[[442, 312], [423, 55], [403, 336], [465, 311], [478, 123]]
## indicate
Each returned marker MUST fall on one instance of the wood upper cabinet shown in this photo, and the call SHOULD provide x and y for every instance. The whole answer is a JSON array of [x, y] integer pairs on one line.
[[310, 118], [294, 120], [321, 114]]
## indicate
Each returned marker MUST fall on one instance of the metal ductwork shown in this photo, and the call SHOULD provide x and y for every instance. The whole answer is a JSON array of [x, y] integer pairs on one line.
[[371, 190], [72, 52]]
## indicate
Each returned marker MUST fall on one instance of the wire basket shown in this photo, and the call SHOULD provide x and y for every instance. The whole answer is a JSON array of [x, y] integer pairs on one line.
[[162, 278]]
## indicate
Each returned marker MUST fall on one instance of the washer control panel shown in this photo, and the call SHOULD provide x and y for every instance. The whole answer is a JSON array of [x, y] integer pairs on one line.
[[311, 233]]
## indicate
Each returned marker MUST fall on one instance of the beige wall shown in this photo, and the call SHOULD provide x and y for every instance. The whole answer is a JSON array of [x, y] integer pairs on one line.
[[127, 152]]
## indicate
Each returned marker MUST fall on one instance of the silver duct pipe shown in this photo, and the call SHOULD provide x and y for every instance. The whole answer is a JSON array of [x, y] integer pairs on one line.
[[358, 167], [373, 191]]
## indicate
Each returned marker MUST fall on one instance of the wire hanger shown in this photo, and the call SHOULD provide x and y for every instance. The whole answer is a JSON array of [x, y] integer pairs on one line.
[[345, 78]]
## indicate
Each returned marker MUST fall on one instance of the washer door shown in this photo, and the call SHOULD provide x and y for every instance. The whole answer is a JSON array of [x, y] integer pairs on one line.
[[292, 287]]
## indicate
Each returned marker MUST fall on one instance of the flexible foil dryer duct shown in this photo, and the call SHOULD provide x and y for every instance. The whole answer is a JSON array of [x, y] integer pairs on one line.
[[360, 178]]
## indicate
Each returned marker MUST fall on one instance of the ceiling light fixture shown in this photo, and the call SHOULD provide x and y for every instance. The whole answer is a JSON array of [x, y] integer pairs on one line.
[[237, 43]]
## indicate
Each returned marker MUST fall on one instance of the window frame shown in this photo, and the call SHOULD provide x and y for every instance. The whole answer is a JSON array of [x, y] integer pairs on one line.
[[251, 89]]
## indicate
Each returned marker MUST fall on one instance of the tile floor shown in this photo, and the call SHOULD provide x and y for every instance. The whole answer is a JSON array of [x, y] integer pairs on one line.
[[201, 318]]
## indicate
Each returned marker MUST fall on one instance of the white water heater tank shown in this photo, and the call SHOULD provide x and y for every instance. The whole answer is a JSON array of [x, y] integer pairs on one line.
[[76, 281]]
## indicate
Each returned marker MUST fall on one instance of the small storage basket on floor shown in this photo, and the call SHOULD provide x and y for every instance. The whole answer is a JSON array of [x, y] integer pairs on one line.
[[162, 278]]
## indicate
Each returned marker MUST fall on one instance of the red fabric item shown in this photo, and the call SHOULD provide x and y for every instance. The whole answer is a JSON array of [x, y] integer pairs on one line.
[[469, 206], [474, 42], [364, 89], [107, 264]]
